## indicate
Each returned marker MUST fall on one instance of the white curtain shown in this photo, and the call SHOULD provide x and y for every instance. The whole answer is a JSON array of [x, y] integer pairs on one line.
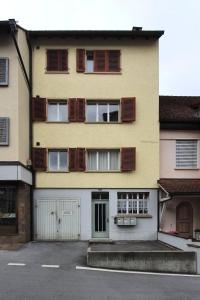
[[103, 161], [92, 161], [114, 160]]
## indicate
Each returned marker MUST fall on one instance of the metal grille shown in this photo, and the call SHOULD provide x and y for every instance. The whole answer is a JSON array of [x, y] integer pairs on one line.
[[4, 130], [3, 71], [186, 153]]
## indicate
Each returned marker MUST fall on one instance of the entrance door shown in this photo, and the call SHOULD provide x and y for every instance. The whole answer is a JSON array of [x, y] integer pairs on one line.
[[100, 220], [57, 219], [184, 220]]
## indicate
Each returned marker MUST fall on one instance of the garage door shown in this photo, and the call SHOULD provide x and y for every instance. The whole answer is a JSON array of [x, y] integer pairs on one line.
[[57, 219]]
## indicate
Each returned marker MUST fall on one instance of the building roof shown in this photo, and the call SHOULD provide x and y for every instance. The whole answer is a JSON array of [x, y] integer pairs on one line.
[[135, 33], [180, 186], [179, 109]]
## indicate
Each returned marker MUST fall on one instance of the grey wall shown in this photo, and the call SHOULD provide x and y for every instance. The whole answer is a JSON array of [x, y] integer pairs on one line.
[[146, 228]]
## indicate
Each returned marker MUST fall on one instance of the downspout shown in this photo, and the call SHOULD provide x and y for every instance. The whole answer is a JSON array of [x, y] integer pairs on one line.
[[31, 136]]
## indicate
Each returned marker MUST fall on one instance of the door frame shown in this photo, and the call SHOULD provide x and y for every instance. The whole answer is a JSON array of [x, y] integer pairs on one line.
[[190, 210], [100, 236]]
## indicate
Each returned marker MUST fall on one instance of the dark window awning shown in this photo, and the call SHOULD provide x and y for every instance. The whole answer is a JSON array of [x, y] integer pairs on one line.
[[180, 186]]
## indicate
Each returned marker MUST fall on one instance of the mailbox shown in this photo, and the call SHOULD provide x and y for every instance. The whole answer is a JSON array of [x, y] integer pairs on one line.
[[125, 221]]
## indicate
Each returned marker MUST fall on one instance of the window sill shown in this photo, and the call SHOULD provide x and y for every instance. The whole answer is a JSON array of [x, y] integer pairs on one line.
[[49, 171], [103, 171], [106, 123], [103, 73], [133, 215], [57, 122], [56, 72], [192, 169]]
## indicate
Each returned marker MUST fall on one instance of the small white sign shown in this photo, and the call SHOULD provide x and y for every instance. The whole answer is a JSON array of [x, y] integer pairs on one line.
[[67, 213]]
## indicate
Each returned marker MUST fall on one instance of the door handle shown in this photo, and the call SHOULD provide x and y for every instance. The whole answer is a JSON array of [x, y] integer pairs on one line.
[[59, 220]]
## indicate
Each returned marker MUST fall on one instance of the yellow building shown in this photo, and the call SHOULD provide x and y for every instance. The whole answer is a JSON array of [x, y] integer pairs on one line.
[[95, 134], [15, 151]]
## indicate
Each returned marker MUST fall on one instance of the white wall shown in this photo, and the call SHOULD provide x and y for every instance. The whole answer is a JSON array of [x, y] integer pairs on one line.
[[146, 228]]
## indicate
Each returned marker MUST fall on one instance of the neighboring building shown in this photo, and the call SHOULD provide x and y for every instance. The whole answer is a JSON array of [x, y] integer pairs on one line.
[[180, 166], [95, 134], [15, 176]]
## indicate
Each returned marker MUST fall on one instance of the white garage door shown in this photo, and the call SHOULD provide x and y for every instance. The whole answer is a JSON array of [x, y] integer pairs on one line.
[[57, 219]]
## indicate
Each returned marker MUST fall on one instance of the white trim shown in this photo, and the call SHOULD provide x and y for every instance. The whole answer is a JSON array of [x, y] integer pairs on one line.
[[136, 272], [17, 264], [51, 266]]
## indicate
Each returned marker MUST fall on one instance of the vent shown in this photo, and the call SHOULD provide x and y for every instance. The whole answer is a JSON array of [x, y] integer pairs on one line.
[[4, 131], [186, 153], [3, 71]]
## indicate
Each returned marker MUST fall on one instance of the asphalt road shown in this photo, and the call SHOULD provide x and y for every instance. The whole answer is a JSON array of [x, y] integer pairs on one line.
[[35, 282]]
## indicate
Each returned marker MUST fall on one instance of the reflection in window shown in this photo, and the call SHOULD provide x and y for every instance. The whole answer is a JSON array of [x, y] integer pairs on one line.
[[102, 111], [57, 112], [58, 160]]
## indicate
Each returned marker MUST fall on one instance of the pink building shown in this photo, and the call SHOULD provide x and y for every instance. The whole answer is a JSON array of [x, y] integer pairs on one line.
[[179, 182]]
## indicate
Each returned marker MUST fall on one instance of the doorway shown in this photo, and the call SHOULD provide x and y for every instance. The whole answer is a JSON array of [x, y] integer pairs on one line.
[[100, 215], [184, 220]]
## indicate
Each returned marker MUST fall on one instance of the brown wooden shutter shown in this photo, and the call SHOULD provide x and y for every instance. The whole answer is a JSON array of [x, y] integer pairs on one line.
[[72, 160], [72, 110], [80, 110], [39, 109], [63, 60], [128, 109], [39, 157], [114, 60], [52, 60], [80, 159], [128, 159], [99, 61], [80, 60]]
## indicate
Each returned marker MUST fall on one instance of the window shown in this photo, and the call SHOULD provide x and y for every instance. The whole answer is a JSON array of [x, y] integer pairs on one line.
[[57, 60], [102, 160], [102, 111], [102, 61], [57, 111], [186, 153], [4, 131], [7, 206], [132, 203], [58, 160], [3, 71]]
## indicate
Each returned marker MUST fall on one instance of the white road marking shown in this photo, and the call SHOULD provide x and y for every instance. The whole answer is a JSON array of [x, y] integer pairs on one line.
[[135, 272], [17, 264], [50, 266]]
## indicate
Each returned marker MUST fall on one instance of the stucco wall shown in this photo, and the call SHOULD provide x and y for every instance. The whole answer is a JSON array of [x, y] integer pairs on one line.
[[23, 101], [139, 78], [9, 100], [168, 222], [146, 228], [168, 154]]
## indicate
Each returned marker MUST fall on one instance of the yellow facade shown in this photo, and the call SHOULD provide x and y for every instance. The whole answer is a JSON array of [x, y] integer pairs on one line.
[[138, 78]]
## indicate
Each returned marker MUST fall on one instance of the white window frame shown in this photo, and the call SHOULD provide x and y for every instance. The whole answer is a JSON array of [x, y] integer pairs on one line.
[[5, 83], [108, 111], [57, 103], [197, 151], [108, 160], [145, 202], [58, 160]]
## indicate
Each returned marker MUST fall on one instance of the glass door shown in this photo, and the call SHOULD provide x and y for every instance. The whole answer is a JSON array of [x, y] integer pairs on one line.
[[100, 215]]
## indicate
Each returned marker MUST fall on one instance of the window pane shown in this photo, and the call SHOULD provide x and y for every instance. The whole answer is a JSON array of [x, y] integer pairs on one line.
[[63, 112], [102, 112], [114, 160], [91, 112], [103, 161], [63, 160], [114, 112], [7, 203], [89, 61], [92, 161], [53, 160], [52, 112]]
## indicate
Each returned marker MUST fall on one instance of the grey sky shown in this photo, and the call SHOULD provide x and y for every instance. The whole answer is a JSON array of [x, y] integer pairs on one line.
[[179, 47]]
